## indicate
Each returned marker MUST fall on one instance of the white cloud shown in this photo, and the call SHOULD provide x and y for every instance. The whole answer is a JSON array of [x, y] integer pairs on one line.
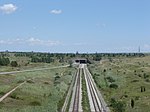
[[79, 44], [30, 41], [103, 25], [8, 8], [147, 46], [2, 41], [56, 11], [35, 41]]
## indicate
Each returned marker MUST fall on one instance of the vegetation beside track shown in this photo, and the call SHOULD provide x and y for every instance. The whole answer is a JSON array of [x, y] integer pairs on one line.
[[124, 82], [85, 100], [123, 78]]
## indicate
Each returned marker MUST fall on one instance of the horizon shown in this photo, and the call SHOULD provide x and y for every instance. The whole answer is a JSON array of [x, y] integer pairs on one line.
[[76, 52], [70, 26]]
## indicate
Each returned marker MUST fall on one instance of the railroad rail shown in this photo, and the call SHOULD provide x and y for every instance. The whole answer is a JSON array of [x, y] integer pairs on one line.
[[96, 101], [75, 105]]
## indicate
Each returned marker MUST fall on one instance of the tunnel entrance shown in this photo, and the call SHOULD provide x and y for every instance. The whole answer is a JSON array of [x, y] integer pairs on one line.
[[81, 61]]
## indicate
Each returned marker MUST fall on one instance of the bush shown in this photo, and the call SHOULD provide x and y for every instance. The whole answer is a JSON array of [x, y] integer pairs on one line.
[[46, 82], [135, 81], [110, 79], [147, 80], [57, 77], [118, 106], [35, 103], [115, 86], [70, 73], [96, 74], [14, 64], [104, 70], [30, 81], [132, 103], [143, 89], [20, 81], [145, 75], [4, 61], [2, 93], [14, 96]]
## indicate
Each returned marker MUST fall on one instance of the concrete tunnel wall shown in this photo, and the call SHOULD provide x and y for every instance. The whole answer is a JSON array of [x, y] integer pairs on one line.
[[81, 61]]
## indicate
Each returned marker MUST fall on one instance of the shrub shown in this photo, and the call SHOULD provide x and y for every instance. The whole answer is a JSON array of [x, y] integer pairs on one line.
[[30, 81], [104, 70], [132, 103], [2, 93], [20, 81], [110, 79], [115, 86], [14, 64], [143, 89], [135, 80], [46, 82], [137, 98], [139, 75], [96, 74], [147, 80], [70, 73], [145, 75], [4, 61], [118, 106], [57, 77], [50, 94], [35, 103], [14, 96]]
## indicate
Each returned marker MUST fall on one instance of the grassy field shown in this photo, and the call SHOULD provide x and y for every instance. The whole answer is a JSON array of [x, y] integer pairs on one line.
[[122, 80], [40, 94]]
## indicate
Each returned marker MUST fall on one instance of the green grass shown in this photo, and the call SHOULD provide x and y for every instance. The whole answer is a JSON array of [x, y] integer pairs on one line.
[[122, 70], [38, 95]]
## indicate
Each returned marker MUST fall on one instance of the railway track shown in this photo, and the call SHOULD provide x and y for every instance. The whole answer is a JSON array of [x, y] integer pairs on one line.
[[75, 105], [96, 101], [77, 94]]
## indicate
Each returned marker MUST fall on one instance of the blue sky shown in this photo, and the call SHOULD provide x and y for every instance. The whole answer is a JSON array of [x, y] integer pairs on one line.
[[75, 25]]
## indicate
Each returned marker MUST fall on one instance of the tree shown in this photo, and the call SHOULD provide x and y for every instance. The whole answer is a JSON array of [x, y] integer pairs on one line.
[[4, 61], [143, 89], [14, 64], [70, 63], [132, 103], [104, 70]]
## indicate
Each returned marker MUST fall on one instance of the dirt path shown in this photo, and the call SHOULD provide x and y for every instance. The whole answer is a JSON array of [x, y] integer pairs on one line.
[[14, 72], [7, 94]]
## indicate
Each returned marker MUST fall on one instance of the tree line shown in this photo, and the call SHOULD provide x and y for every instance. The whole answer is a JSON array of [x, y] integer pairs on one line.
[[5, 62]]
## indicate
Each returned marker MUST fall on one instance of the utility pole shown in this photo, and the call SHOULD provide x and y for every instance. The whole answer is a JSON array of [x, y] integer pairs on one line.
[[139, 50]]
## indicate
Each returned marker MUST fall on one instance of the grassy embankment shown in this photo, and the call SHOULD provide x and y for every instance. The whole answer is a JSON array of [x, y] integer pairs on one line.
[[123, 79], [42, 93]]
